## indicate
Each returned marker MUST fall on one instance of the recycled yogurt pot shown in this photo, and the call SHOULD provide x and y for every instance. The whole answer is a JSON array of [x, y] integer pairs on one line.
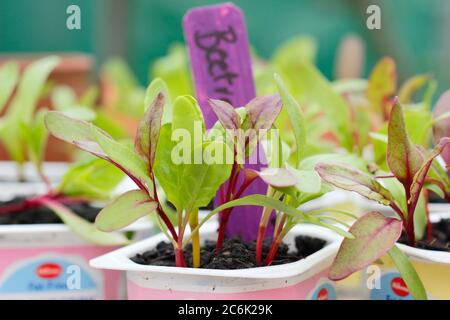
[[48, 261], [304, 279]]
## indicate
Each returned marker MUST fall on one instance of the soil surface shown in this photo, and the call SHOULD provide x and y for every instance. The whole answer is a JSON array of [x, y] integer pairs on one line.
[[441, 237], [43, 215], [234, 254]]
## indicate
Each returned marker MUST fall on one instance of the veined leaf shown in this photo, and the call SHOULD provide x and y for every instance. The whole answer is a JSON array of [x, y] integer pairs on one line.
[[83, 228], [226, 114], [420, 176], [278, 177], [350, 179], [156, 87], [403, 158], [148, 131], [124, 210], [94, 179], [94, 140], [374, 235]]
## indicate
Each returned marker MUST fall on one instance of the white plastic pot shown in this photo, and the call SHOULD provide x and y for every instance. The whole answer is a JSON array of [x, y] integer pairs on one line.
[[53, 171], [304, 279]]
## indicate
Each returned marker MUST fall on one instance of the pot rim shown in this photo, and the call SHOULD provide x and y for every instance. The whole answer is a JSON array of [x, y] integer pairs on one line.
[[39, 228], [426, 254], [120, 259]]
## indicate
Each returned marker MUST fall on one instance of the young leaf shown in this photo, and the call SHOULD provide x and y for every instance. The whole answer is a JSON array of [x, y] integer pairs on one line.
[[30, 87], [148, 131], [350, 179], [374, 235], [408, 273], [124, 210], [314, 89], [200, 182], [421, 175], [156, 87], [382, 85], [226, 114], [9, 74], [94, 179], [94, 140], [83, 228], [296, 119], [187, 116], [262, 112], [404, 158]]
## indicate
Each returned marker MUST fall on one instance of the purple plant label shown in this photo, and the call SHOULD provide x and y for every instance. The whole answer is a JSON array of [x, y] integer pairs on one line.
[[219, 54]]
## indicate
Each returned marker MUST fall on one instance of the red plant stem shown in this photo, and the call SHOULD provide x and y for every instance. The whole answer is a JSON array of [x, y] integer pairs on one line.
[[167, 222], [399, 211], [259, 242], [273, 251], [225, 215], [179, 258], [222, 228]]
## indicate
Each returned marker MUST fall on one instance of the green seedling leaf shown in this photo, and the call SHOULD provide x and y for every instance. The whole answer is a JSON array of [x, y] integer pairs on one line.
[[63, 97], [350, 179], [89, 97], [94, 140], [166, 171], [308, 181], [404, 159], [21, 109], [148, 131], [83, 228], [296, 119], [156, 87], [9, 74], [382, 85], [225, 112], [35, 136], [411, 86], [314, 89], [80, 113], [200, 182], [186, 116], [408, 273], [261, 113], [374, 235], [94, 179], [124, 210]]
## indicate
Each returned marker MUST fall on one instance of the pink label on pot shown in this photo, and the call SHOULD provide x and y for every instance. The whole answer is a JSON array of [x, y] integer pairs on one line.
[[55, 273], [218, 48]]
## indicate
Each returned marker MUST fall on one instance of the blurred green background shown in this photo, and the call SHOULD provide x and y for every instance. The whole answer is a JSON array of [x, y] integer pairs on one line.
[[415, 32]]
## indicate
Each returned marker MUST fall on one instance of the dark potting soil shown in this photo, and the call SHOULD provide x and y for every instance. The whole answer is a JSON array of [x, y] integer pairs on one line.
[[440, 240], [43, 215], [234, 254]]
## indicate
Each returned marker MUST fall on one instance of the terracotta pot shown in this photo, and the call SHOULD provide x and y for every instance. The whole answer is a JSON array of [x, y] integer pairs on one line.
[[74, 70]]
